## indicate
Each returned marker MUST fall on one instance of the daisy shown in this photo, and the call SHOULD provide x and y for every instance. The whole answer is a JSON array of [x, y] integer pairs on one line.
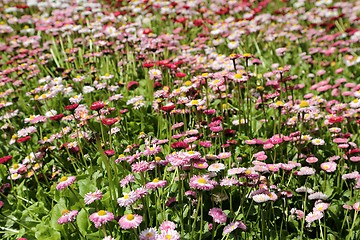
[[130, 221], [218, 215], [168, 235], [317, 142], [65, 182], [328, 166], [127, 199], [202, 183], [156, 183], [216, 167], [260, 198], [92, 196], [101, 217], [148, 234], [67, 216]]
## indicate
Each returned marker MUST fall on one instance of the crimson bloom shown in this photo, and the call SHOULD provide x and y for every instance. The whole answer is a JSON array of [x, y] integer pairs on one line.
[[71, 107], [23, 139], [5, 159], [57, 117], [109, 121], [97, 105]]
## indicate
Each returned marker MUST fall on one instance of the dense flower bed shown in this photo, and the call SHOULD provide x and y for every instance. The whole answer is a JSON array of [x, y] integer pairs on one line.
[[179, 119]]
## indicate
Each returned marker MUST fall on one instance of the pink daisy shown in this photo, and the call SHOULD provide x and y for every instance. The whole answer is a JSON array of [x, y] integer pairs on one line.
[[168, 235], [127, 199], [65, 182], [218, 215], [101, 217], [156, 183], [328, 166], [167, 225], [148, 234], [130, 221], [202, 183], [67, 216], [92, 196]]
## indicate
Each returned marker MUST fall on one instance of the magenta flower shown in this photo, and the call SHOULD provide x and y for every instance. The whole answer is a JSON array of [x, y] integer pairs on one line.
[[130, 221], [218, 215], [92, 196], [65, 182], [101, 217], [67, 216]]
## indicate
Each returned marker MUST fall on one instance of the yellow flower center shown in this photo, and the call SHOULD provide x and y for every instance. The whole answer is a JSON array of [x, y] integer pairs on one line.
[[205, 74], [126, 196], [130, 217], [202, 181], [238, 75], [168, 236], [157, 159], [149, 235], [101, 213], [187, 83], [63, 179], [279, 103], [194, 102], [191, 152], [156, 180], [248, 171], [15, 166], [304, 104], [247, 55], [65, 211]]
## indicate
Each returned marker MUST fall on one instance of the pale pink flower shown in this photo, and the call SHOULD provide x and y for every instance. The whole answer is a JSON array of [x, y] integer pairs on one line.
[[92, 196], [129, 221], [67, 216], [65, 182], [167, 225], [202, 183], [148, 234], [328, 166], [101, 217]]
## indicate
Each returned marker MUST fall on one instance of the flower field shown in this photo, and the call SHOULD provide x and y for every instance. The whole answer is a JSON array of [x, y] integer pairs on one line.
[[196, 119]]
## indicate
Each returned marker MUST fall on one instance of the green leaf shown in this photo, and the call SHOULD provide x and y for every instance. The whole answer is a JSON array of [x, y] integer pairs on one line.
[[86, 186], [82, 221], [56, 213], [45, 232]]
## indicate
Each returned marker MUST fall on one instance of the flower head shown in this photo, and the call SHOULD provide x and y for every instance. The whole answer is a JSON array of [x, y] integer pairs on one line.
[[67, 216], [202, 183], [101, 217], [130, 221], [65, 182], [218, 215], [92, 196]]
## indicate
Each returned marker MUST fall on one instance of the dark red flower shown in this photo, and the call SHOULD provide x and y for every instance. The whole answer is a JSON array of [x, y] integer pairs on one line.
[[168, 107], [198, 22], [132, 85], [109, 121], [71, 107], [336, 119], [179, 145], [97, 105], [5, 159], [23, 139], [157, 84], [180, 74], [229, 132], [57, 117], [147, 65]]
